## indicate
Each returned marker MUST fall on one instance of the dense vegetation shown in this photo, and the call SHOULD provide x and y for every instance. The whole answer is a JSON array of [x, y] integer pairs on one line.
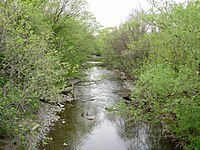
[[42, 44], [160, 48]]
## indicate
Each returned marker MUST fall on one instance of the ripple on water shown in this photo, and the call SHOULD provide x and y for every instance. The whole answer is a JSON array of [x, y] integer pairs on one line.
[[106, 131]]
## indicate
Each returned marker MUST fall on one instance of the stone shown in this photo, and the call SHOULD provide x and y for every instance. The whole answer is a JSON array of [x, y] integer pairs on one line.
[[35, 127], [62, 105], [65, 144], [91, 117], [114, 109]]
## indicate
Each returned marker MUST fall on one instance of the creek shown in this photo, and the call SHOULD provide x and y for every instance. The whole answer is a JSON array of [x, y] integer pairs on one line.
[[105, 130]]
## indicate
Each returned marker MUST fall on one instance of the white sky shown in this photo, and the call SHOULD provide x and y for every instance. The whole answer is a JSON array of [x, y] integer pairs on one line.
[[113, 12]]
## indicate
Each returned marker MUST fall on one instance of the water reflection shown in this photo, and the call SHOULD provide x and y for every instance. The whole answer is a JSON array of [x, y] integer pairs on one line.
[[107, 131]]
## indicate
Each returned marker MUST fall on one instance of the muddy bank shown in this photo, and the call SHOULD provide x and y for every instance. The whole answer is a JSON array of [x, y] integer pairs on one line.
[[41, 125], [46, 118]]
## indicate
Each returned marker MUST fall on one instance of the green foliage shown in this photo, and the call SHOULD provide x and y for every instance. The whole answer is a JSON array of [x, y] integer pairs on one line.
[[72, 37], [161, 48], [40, 48], [128, 45]]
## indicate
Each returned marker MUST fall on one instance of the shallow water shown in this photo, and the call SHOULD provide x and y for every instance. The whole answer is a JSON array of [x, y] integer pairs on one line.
[[107, 131]]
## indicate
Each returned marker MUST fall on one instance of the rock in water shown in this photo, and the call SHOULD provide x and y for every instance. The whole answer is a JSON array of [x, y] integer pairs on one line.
[[65, 144], [91, 117], [35, 127], [127, 98]]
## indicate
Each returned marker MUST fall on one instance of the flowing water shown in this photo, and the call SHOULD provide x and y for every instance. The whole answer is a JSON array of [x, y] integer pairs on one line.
[[106, 131]]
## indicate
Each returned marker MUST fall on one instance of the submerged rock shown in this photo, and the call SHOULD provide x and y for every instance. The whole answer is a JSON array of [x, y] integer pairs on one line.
[[65, 144], [91, 117], [63, 121]]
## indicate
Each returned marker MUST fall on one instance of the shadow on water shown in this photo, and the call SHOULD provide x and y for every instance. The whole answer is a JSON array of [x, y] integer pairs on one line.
[[107, 131]]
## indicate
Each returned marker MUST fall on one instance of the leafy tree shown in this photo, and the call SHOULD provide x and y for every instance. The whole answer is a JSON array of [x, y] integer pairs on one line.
[[161, 47], [42, 43]]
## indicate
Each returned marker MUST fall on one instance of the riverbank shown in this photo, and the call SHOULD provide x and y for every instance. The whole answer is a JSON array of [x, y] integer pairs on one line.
[[106, 130], [100, 89], [44, 121], [48, 116]]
